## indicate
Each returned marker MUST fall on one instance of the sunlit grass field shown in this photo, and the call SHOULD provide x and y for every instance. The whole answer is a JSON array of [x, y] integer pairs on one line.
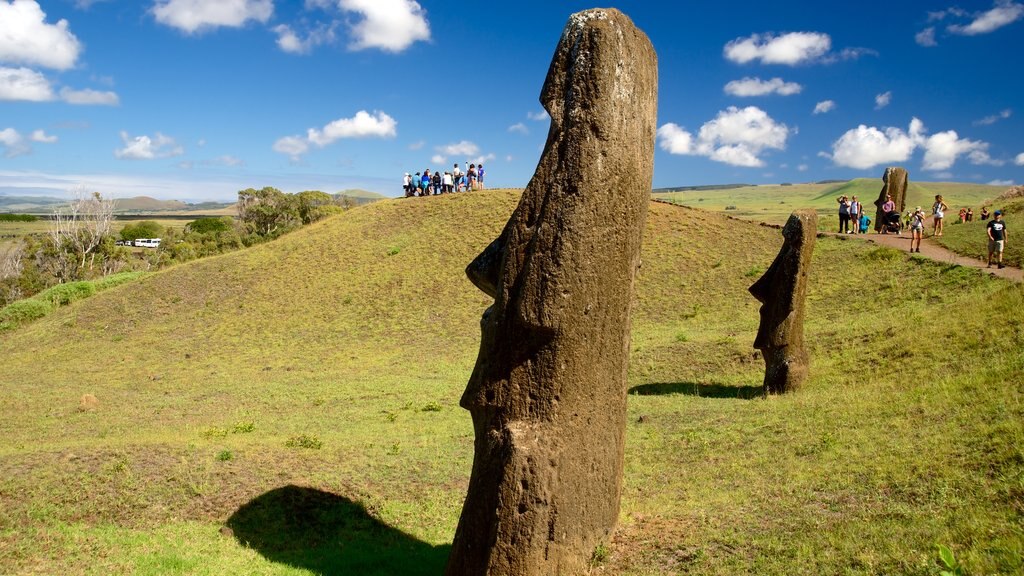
[[292, 408], [774, 203]]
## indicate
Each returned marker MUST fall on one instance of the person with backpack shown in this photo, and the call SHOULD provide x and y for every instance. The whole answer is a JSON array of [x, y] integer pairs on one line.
[[480, 176], [844, 215]]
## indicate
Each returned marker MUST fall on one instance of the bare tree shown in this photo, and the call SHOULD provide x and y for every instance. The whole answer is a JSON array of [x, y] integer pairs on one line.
[[78, 229]]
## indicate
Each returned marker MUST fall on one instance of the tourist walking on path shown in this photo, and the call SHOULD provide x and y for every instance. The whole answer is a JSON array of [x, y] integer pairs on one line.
[[996, 238], [938, 211], [844, 215], [916, 229]]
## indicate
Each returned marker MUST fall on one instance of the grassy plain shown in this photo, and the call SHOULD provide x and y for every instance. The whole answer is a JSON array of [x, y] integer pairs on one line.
[[292, 408], [775, 203]]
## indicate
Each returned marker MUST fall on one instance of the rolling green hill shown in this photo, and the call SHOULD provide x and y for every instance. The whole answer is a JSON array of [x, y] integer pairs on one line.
[[292, 408], [774, 203]]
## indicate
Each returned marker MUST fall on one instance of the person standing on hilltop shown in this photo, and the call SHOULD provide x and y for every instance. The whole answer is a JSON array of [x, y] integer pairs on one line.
[[888, 208], [996, 238], [844, 215], [938, 211], [480, 176]]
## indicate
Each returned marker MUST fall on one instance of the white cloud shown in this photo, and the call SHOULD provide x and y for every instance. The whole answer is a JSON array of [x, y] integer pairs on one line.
[[13, 143], [192, 16], [989, 120], [757, 87], [882, 100], [943, 148], [43, 137], [519, 128], [89, 97], [824, 107], [24, 84], [942, 14], [479, 160], [803, 167], [288, 40], [790, 49], [736, 137], [926, 37], [463, 148], [673, 139], [864, 147], [390, 25], [417, 145], [438, 159], [146, 148], [538, 116], [1003, 13], [1001, 183], [26, 38], [362, 125], [1019, 160], [292, 146]]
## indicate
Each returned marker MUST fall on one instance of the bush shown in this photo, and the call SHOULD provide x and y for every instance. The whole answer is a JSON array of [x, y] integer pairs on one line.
[[208, 225], [63, 294], [144, 229], [23, 311], [17, 218]]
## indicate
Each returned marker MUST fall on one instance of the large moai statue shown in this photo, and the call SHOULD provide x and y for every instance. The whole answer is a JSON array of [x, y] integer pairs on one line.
[[894, 181], [548, 393], [782, 291]]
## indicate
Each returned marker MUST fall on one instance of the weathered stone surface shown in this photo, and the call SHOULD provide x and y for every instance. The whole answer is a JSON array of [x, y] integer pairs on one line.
[[548, 393], [782, 291], [894, 182]]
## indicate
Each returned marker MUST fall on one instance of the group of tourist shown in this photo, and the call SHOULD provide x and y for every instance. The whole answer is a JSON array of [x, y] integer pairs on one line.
[[850, 210], [429, 183]]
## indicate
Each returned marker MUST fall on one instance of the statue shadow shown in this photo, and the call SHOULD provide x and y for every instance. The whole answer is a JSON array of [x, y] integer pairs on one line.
[[330, 534], [700, 390]]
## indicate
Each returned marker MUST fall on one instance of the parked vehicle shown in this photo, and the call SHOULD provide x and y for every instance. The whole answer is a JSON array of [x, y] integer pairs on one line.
[[147, 243]]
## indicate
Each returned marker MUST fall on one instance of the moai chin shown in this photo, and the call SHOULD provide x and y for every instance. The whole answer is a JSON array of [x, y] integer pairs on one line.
[[782, 291], [894, 182], [548, 393]]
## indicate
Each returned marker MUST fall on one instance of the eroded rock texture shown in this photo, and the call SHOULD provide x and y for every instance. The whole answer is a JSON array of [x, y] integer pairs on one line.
[[782, 291], [895, 183], [548, 393]]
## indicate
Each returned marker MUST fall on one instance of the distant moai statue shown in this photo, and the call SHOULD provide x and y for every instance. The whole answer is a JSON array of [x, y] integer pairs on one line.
[[548, 393], [895, 181], [782, 291]]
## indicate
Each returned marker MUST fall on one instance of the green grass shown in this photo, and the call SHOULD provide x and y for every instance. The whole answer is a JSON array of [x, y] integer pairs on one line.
[[908, 433], [23, 311]]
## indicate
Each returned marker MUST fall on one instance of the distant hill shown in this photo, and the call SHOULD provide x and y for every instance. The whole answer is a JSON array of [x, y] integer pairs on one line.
[[147, 204], [29, 204], [698, 188]]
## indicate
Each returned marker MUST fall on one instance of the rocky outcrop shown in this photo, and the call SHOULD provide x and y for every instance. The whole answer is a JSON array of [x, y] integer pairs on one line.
[[894, 182], [782, 291], [548, 393]]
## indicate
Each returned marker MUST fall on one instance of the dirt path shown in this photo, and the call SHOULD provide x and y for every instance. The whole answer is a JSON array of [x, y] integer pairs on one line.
[[931, 249]]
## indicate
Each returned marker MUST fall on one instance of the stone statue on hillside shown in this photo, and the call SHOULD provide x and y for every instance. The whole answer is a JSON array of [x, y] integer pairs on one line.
[[548, 393], [894, 184], [782, 291]]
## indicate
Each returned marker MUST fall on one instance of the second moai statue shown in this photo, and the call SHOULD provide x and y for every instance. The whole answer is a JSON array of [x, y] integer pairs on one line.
[[782, 291], [894, 183]]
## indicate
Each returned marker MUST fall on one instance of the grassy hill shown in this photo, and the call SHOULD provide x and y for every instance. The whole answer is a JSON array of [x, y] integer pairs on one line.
[[292, 408], [775, 203]]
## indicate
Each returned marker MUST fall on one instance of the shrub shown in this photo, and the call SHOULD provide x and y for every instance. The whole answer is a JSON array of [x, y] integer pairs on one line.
[[209, 225], [64, 294], [144, 229], [304, 441], [24, 311]]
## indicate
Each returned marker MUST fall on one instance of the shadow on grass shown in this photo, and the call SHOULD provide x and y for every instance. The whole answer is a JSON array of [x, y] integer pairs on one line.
[[701, 390], [329, 534]]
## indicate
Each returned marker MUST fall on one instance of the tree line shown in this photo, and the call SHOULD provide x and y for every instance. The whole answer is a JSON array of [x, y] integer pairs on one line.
[[80, 243]]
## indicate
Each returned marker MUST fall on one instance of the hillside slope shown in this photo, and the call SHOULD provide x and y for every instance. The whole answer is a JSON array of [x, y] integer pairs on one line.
[[305, 392]]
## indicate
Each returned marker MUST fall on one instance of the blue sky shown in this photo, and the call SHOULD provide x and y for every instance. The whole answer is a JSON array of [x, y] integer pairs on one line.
[[197, 99]]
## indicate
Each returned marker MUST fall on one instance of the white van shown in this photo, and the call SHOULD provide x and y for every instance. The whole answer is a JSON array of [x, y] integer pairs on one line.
[[147, 242]]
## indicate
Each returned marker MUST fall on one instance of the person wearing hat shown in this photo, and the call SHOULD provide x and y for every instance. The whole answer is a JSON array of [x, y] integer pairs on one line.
[[916, 229], [996, 237]]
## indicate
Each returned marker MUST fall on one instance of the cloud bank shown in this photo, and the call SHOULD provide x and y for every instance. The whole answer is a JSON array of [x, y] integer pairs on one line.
[[737, 136]]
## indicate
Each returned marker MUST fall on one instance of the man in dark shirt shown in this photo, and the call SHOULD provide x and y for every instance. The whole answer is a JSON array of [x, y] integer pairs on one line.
[[996, 237]]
